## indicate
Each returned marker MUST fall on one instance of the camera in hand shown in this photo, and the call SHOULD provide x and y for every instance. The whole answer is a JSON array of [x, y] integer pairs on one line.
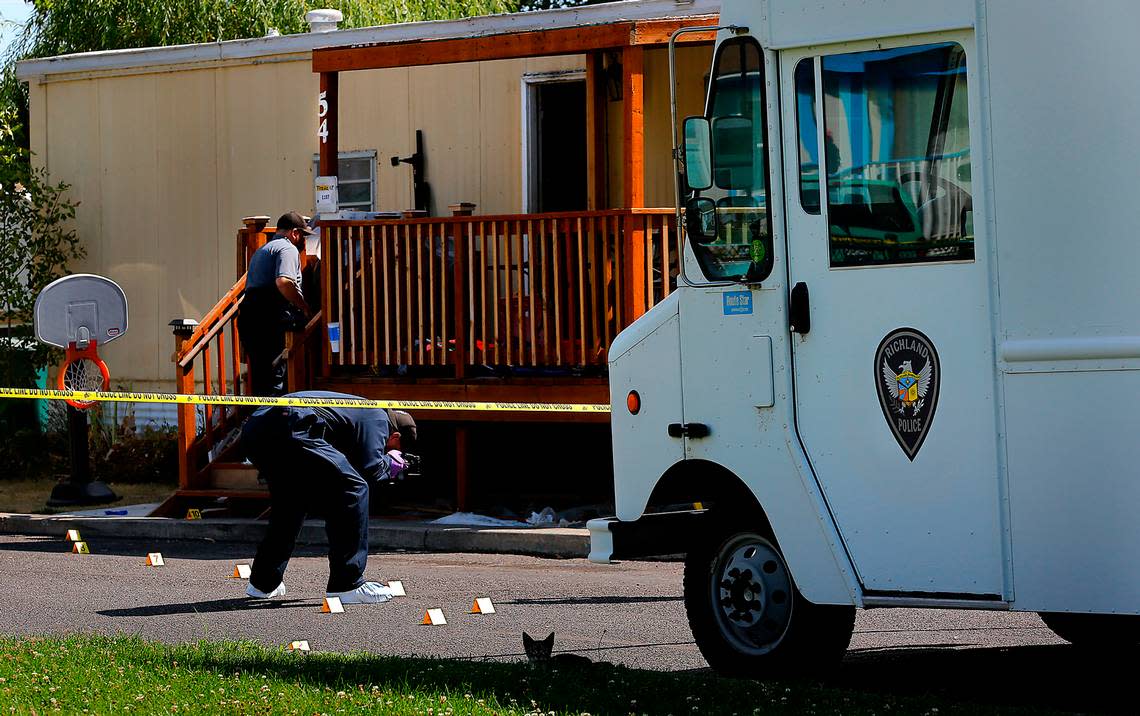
[[415, 464]]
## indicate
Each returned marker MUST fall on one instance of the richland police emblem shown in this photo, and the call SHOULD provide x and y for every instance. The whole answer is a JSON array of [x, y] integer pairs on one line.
[[907, 373]]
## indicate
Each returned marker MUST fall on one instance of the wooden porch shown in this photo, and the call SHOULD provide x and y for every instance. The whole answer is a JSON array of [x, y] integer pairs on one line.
[[515, 308]]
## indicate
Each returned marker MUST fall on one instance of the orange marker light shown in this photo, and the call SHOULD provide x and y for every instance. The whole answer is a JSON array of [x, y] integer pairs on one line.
[[633, 402]]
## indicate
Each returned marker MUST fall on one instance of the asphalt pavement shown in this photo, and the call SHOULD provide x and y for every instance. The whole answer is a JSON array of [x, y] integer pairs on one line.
[[629, 614]]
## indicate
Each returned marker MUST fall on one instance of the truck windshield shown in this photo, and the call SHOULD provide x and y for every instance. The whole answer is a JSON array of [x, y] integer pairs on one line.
[[742, 247]]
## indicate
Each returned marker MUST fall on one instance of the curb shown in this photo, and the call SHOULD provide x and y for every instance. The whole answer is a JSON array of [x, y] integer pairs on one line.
[[555, 542]]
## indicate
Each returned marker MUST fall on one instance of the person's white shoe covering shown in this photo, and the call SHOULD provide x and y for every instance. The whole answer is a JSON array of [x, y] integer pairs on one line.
[[367, 593], [258, 594]]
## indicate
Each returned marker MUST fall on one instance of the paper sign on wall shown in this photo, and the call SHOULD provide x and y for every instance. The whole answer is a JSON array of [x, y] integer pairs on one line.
[[327, 195]]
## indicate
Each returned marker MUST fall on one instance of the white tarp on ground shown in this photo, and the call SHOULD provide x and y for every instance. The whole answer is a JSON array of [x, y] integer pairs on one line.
[[472, 519]]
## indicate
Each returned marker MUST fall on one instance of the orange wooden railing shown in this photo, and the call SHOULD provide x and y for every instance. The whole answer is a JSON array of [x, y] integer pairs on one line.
[[543, 290], [210, 355], [208, 360]]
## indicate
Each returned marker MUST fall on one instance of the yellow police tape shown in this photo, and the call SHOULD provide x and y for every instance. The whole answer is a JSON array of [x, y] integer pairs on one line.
[[87, 396]]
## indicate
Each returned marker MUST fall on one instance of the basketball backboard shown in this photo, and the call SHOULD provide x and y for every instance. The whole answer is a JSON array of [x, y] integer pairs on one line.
[[79, 309]]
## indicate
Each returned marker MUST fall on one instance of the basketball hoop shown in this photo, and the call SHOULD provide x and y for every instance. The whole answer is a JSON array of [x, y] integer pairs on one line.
[[79, 313], [83, 370]]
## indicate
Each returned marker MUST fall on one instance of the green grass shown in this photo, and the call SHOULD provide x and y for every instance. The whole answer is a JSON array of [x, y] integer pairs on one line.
[[96, 674]]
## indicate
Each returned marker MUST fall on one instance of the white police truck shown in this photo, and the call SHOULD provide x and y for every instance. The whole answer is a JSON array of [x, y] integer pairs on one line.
[[902, 366]]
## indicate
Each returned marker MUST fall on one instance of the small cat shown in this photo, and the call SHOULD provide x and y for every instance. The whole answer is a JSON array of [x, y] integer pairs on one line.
[[539, 653]]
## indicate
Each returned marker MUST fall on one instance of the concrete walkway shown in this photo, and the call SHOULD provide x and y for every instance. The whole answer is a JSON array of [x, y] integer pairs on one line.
[[385, 535]]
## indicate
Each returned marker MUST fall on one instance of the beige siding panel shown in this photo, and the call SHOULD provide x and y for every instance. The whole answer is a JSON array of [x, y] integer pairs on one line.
[[445, 105], [73, 156], [187, 244], [375, 114], [247, 146], [37, 123], [692, 65], [265, 148], [297, 141], [615, 140], [130, 226], [500, 155]]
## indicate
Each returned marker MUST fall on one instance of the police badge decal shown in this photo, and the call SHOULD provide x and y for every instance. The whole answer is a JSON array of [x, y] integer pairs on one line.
[[907, 373]]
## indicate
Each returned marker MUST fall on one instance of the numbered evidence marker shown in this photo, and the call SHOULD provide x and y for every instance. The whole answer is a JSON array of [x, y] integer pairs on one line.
[[80, 548], [154, 559], [193, 514], [301, 646], [434, 617], [482, 605], [332, 605], [73, 536], [397, 588], [241, 571]]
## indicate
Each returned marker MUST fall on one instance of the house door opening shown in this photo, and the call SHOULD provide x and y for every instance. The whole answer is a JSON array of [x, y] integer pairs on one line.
[[555, 162]]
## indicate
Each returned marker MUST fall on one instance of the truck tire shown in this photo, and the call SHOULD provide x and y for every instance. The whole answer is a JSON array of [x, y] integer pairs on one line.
[[1102, 631], [746, 614]]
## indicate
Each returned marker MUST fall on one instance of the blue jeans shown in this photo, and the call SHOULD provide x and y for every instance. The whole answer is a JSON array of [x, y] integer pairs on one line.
[[309, 475]]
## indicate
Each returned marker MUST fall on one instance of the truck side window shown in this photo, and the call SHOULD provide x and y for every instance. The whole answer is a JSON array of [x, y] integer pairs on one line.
[[742, 247], [806, 128], [897, 156]]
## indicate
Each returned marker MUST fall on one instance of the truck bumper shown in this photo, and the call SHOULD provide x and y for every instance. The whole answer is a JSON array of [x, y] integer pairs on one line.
[[662, 533]]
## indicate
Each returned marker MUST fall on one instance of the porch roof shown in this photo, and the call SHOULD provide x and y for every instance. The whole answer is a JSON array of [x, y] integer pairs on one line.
[[254, 50], [512, 44]]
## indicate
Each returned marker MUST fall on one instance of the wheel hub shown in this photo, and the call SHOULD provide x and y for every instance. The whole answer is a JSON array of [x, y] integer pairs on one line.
[[752, 594]]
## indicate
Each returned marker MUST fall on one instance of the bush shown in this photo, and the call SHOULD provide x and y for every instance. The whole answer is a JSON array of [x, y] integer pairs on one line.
[[120, 452]]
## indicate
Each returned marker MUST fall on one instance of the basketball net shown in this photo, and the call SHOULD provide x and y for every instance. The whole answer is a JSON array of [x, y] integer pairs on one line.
[[83, 370]]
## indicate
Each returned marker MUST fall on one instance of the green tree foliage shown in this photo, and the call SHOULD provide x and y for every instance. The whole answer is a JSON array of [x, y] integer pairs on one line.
[[37, 241], [528, 5]]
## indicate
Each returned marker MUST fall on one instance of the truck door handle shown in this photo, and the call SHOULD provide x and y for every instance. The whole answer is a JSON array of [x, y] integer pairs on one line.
[[799, 310], [688, 430]]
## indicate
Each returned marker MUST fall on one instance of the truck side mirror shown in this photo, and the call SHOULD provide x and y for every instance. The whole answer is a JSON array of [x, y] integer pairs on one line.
[[700, 220], [697, 146]]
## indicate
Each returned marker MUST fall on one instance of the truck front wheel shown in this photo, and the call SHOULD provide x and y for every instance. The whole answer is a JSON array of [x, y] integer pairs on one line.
[[1103, 631], [746, 614]]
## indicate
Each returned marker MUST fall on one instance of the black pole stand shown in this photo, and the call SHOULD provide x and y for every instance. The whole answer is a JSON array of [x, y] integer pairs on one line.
[[79, 488]]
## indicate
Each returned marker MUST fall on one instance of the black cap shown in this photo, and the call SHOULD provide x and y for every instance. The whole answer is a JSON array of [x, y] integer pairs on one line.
[[403, 423], [291, 221]]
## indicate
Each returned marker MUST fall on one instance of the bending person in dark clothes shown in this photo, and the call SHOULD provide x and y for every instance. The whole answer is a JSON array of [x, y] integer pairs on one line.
[[323, 460]]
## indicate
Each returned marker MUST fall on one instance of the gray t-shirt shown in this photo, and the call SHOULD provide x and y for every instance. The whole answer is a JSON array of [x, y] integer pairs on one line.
[[277, 258]]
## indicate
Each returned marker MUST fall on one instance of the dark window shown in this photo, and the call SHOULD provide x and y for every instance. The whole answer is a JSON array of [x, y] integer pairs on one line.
[[807, 128]]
